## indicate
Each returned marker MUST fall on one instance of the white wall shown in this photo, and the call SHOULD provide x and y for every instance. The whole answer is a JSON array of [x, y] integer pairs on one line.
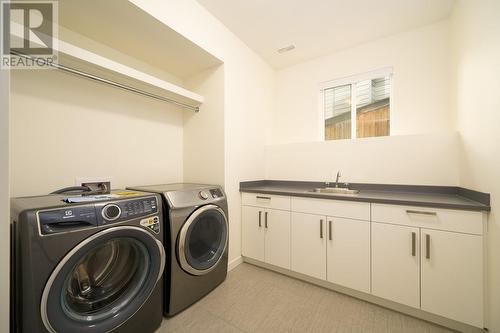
[[476, 36], [204, 130], [248, 96], [421, 109], [64, 128], [421, 100], [410, 159], [4, 201], [250, 93]]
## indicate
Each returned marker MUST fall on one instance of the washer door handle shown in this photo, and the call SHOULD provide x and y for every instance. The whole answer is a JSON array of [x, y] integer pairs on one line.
[[161, 248]]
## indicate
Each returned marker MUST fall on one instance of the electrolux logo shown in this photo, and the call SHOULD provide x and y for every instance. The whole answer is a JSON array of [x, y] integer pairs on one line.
[[29, 34]]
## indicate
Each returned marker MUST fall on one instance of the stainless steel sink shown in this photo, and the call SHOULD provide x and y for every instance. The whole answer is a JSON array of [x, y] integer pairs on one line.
[[334, 190]]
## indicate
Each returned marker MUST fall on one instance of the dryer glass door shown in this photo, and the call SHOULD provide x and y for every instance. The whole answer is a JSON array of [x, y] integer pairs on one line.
[[103, 281], [203, 240]]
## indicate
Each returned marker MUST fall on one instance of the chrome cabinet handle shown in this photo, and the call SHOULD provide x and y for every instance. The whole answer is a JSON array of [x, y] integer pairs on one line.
[[260, 219], [427, 246], [265, 219], [421, 212], [413, 244], [320, 228], [330, 229]]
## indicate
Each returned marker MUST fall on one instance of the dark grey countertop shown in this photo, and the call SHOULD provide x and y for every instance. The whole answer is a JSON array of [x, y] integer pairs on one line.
[[413, 195]]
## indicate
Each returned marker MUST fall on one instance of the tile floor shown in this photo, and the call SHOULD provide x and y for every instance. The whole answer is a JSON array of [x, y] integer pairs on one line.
[[253, 299]]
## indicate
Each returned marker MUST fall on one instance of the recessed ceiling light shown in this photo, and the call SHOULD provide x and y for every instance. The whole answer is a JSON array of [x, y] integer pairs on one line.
[[286, 48]]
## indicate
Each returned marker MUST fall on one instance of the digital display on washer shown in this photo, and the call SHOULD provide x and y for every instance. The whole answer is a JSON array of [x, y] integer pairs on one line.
[[139, 207]]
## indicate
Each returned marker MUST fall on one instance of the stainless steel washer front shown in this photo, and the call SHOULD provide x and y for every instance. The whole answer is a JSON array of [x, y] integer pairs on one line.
[[102, 281], [203, 240]]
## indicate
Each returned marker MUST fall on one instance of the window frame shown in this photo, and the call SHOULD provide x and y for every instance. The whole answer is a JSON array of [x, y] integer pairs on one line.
[[352, 80]]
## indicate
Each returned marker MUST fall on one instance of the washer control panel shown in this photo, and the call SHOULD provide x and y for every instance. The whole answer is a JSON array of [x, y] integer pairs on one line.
[[77, 217], [111, 212], [140, 207], [152, 223], [128, 209]]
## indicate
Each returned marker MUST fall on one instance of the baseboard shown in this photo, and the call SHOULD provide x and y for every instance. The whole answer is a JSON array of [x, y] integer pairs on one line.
[[417, 313], [234, 263]]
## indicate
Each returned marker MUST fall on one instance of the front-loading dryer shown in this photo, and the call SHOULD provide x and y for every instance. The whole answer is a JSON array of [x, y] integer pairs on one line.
[[93, 266], [198, 230]]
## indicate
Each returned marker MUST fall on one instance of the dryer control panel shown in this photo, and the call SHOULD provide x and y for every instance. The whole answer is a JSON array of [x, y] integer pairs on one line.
[[195, 197], [216, 193]]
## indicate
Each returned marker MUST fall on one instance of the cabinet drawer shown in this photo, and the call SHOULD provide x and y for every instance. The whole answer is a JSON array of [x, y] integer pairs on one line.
[[335, 208], [432, 218], [265, 200]]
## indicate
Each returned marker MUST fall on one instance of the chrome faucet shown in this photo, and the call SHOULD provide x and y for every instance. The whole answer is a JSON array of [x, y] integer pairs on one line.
[[327, 184], [337, 179]]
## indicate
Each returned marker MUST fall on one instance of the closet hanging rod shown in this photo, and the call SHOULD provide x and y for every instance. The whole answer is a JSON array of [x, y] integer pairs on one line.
[[106, 81]]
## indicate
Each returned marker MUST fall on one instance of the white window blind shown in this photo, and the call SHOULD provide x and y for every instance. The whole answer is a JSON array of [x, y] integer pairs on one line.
[[337, 101], [369, 91]]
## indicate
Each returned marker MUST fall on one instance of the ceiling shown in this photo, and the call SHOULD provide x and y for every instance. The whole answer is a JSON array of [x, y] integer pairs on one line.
[[319, 27]]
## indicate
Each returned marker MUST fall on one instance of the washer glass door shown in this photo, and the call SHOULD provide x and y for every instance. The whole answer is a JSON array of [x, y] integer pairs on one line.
[[203, 240], [103, 281]]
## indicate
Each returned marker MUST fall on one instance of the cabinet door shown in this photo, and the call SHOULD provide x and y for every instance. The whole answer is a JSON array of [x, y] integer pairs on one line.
[[395, 263], [308, 244], [452, 275], [277, 237], [252, 233], [348, 253]]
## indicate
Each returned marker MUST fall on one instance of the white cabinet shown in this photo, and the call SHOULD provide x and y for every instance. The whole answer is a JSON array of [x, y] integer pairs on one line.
[[266, 201], [252, 243], [266, 235], [308, 244], [348, 253], [432, 260], [469, 222], [452, 275], [395, 263], [338, 208], [277, 237], [426, 258], [331, 248], [345, 258]]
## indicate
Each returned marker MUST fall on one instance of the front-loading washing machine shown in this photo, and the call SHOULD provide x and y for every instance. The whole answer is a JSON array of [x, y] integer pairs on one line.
[[92, 266], [198, 230]]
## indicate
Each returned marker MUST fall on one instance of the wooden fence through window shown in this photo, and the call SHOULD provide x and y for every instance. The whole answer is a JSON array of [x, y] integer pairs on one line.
[[372, 120]]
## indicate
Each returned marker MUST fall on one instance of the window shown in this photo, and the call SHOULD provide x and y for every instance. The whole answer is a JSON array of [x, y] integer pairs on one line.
[[358, 106]]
